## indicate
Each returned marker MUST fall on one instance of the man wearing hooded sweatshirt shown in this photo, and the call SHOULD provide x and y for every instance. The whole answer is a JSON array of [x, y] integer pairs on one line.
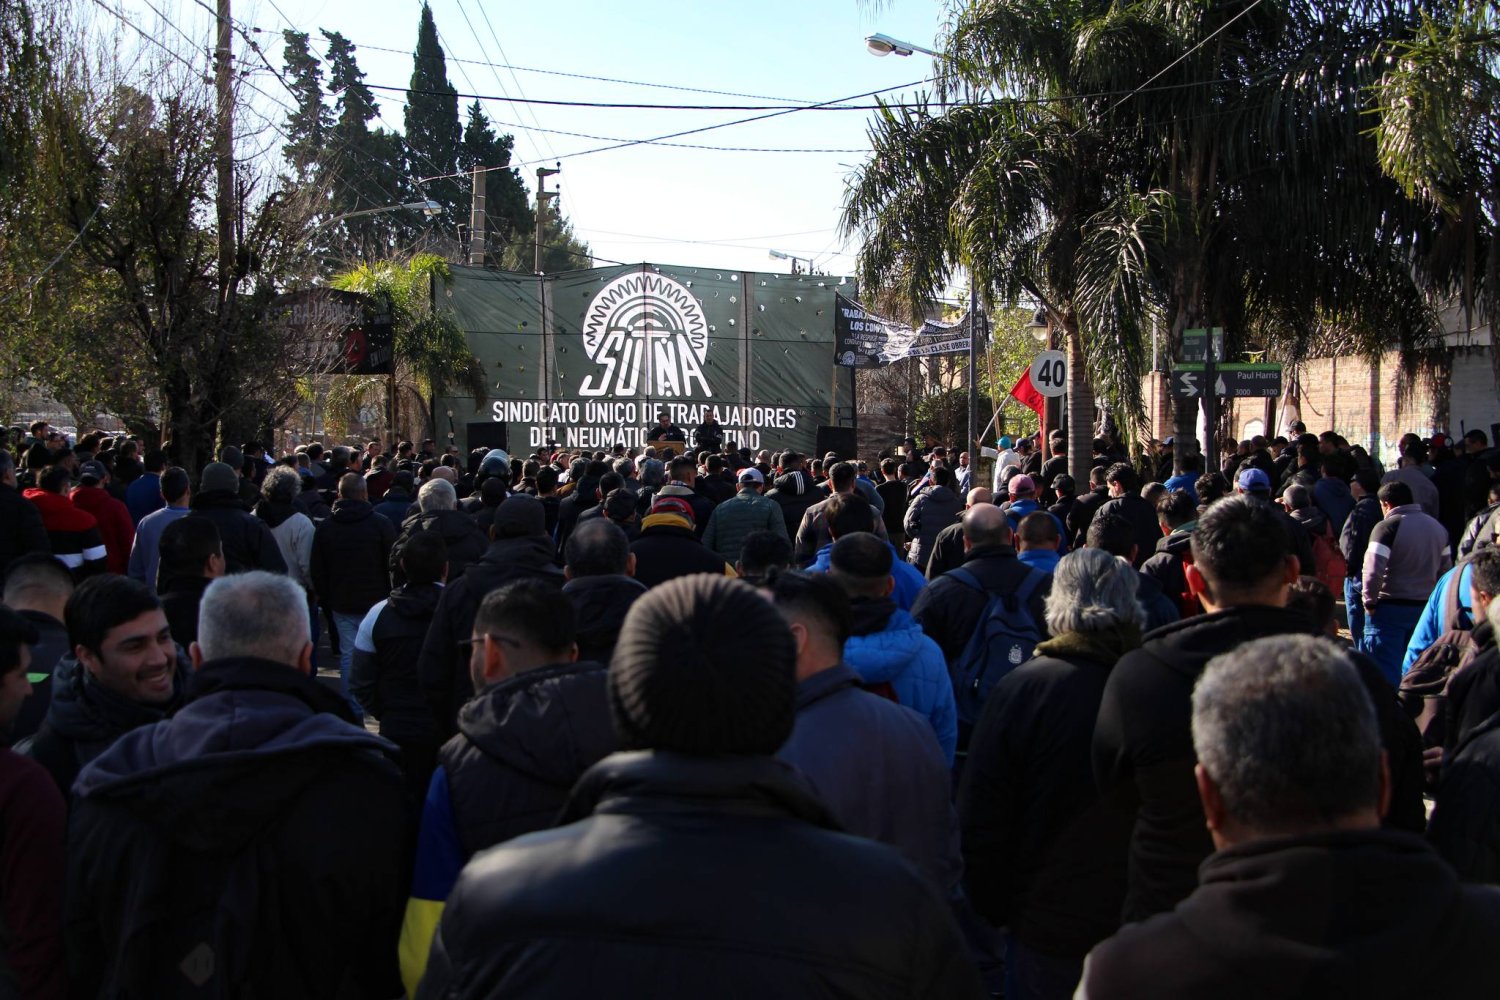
[[72, 532], [886, 647], [539, 720], [1306, 894], [350, 553], [383, 675], [251, 844], [794, 491], [932, 509], [600, 571], [115, 525], [519, 549], [248, 543], [1243, 563], [124, 672]]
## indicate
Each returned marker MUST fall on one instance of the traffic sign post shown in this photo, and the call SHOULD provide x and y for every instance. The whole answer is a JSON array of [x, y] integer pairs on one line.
[[1231, 381], [1049, 373], [1195, 344]]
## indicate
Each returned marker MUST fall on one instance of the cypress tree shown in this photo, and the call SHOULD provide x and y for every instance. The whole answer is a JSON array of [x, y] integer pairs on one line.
[[432, 129], [507, 211], [364, 168], [308, 123]]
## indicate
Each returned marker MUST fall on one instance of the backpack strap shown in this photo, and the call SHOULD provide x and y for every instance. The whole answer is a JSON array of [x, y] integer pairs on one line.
[[968, 579], [1028, 586], [1452, 603]]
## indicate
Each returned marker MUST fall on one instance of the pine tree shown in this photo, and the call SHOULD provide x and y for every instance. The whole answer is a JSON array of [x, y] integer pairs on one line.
[[507, 212], [432, 129], [308, 123], [366, 169]]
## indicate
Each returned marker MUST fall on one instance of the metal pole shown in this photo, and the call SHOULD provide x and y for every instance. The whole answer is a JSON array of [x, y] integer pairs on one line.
[[224, 154], [541, 215], [1210, 403], [971, 444], [476, 220]]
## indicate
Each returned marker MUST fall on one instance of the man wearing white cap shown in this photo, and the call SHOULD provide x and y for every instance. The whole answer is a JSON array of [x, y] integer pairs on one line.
[[745, 512]]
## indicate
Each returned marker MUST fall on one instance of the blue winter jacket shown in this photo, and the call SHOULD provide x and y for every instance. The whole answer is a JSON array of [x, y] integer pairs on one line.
[[909, 579], [1333, 498], [1430, 625], [1020, 508], [1045, 560], [902, 656]]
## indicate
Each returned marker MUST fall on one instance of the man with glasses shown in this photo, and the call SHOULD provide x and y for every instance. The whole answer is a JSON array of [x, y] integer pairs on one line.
[[539, 720]]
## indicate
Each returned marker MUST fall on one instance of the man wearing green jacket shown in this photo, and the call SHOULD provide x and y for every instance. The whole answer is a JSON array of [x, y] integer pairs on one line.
[[746, 511]]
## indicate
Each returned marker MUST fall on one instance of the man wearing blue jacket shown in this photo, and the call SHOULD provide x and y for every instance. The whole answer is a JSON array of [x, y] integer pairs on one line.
[[876, 765], [847, 514], [886, 647]]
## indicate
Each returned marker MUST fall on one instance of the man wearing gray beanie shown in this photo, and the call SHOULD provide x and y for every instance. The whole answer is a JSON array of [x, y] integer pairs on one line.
[[694, 863]]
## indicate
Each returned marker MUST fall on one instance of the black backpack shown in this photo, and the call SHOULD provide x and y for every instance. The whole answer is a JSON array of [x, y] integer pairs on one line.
[[1424, 689], [1003, 640]]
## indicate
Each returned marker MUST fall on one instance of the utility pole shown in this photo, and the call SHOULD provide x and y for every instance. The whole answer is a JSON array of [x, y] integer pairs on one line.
[[476, 219], [224, 156], [542, 173]]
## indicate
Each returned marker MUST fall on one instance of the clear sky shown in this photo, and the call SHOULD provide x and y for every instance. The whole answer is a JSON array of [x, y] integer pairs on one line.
[[648, 202]]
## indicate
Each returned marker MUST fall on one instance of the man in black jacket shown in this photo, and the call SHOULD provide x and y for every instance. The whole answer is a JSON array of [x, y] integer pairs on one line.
[[21, 528], [37, 588], [1085, 507], [191, 557], [1126, 502], [1143, 752], [600, 570], [1307, 895], [1353, 540], [350, 553], [437, 510], [519, 549], [539, 720], [123, 672], [248, 543], [745, 842], [251, 844], [949, 609], [383, 675]]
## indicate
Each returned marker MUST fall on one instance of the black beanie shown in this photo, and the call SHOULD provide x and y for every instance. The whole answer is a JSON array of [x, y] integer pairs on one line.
[[704, 665]]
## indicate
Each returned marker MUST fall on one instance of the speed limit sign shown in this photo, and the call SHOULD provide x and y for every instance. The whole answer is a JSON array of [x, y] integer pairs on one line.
[[1049, 373]]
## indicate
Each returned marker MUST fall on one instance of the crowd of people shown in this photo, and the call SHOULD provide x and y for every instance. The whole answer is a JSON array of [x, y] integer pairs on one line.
[[720, 723]]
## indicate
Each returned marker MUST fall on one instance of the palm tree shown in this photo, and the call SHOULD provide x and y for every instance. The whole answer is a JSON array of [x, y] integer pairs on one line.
[[1192, 164], [432, 356], [1439, 139]]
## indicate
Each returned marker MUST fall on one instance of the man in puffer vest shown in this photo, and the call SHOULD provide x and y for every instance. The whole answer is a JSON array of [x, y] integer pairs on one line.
[[539, 720]]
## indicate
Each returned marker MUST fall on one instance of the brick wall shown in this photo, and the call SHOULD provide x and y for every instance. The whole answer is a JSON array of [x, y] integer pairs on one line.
[[1371, 405]]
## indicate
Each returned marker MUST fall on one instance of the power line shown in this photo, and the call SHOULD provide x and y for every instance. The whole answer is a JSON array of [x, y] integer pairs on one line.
[[637, 106], [58, 259], [705, 128], [600, 79]]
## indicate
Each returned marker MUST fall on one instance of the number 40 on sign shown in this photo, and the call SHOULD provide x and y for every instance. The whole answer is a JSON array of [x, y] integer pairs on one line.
[[1049, 373]]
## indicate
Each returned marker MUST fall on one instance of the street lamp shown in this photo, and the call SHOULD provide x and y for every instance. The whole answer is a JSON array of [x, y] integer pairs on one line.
[[1039, 327], [427, 207], [885, 45], [778, 255]]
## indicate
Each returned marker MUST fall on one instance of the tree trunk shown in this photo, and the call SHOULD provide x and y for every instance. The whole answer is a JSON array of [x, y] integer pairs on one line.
[[1080, 408]]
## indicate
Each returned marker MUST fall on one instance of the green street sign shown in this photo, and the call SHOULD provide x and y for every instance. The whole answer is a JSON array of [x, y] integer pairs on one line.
[[1230, 380]]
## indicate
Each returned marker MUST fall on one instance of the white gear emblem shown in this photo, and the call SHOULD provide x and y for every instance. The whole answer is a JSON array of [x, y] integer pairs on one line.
[[648, 333]]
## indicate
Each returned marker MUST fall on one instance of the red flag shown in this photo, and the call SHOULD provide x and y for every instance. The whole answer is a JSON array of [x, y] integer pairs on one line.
[[1025, 393]]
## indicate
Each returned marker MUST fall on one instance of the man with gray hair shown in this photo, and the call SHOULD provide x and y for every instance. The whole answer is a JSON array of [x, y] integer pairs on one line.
[[1306, 894], [1243, 564], [177, 824], [437, 510]]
